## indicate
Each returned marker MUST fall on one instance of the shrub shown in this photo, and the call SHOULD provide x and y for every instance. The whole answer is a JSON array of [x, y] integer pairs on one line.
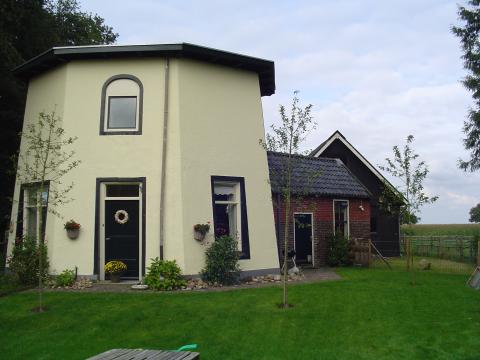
[[66, 278], [338, 251], [164, 275], [25, 261], [222, 262]]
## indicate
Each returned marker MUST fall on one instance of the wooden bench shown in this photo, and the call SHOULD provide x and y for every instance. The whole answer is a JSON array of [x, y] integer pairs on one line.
[[141, 354]]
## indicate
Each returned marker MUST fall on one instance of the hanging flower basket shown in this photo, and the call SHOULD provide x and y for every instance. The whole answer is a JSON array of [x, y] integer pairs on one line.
[[73, 234], [73, 229], [200, 230]]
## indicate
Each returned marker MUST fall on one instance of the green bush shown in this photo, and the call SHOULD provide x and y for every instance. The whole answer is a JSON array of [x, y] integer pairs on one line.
[[25, 261], [66, 278], [222, 262], [164, 275], [339, 249]]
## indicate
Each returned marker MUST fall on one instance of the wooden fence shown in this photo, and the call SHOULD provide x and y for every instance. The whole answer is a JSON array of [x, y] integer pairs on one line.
[[453, 247]]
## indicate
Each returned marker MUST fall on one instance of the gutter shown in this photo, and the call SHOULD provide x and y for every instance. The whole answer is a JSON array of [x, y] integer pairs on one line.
[[164, 157]]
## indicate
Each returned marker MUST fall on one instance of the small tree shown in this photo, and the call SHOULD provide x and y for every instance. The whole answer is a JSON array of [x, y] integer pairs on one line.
[[288, 138], [44, 160], [475, 214], [411, 173]]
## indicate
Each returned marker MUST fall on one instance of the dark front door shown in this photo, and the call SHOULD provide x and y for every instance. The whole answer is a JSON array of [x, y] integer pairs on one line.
[[303, 237], [122, 234]]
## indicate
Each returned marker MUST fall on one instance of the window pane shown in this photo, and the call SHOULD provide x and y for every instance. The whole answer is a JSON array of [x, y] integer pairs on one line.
[[122, 112], [220, 220], [32, 222], [341, 218], [32, 195], [130, 190]]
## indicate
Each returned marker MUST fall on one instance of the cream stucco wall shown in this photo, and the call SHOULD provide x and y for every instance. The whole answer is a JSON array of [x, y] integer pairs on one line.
[[215, 122]]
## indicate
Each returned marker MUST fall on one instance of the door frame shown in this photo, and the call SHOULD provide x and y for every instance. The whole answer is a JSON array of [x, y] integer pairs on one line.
[[99, 238], [312, 234]]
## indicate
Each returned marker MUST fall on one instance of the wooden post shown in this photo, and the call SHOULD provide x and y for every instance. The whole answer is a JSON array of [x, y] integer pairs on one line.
[[478, 253], [369, 252]]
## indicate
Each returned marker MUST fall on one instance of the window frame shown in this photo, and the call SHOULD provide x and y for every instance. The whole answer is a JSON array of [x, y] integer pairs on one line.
[[113, 129], [25, 193], [348, 216], [244, 238], [139, 110]]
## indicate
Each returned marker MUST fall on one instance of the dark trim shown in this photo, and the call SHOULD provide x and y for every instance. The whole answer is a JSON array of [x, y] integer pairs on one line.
[[96, 246], [245, 254], [60, 55], [103, 100]]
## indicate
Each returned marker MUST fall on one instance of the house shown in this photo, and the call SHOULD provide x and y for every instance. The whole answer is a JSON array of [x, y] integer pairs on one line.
[[384, 225], [327, 199], [168, 138]]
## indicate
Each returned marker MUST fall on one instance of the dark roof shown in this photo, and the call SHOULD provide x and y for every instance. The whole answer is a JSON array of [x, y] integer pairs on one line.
[[315, 176], [337, 135], [59, 55]]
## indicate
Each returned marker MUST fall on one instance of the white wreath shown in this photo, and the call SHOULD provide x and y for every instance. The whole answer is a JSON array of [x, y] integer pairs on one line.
[[125, 216]]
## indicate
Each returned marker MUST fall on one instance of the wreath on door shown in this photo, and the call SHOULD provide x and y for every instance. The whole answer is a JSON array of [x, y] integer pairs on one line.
[[121, 217]]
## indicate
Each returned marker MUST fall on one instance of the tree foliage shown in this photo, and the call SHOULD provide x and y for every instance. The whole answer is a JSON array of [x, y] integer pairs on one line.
[[469, 39], [288, 137], [28, 28], [411, 172], [475, 214]]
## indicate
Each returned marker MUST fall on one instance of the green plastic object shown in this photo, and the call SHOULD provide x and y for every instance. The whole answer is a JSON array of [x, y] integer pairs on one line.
[[187, 347]]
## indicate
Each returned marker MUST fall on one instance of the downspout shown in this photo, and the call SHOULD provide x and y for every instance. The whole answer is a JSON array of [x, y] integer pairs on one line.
[[164, 157]]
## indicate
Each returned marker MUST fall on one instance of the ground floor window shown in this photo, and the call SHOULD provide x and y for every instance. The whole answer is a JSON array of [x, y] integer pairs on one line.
[[341, 224], [229, 210], [35, 202]]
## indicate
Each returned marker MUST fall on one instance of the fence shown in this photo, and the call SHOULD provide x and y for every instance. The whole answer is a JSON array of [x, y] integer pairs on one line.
[[452, 254]]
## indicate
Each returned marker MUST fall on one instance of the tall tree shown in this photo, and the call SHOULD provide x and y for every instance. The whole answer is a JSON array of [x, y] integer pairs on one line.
[[288, 138], [46, 159], [27, 28], [469, 39], [475, 214]]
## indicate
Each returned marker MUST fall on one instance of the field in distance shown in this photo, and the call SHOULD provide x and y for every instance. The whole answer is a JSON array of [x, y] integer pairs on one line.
[[441, 229]]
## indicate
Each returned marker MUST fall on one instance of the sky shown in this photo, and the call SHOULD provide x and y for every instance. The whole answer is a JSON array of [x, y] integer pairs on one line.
[[375, 70]]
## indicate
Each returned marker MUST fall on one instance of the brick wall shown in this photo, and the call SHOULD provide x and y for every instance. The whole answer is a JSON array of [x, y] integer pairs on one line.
[[322, 210]]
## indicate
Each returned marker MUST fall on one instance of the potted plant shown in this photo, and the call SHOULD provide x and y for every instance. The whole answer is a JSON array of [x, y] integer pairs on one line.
[[115, 269], [73, 229], [199, 231]]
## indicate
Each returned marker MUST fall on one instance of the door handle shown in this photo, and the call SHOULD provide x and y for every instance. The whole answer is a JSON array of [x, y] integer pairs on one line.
[[106, 239]]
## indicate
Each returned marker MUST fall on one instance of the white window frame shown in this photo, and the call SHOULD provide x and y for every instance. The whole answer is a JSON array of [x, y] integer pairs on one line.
[[107, 115], [26, 205], [238, 208], [348, 215]]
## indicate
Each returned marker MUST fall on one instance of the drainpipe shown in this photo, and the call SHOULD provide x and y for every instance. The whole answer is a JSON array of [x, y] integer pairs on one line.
[[164, 158]]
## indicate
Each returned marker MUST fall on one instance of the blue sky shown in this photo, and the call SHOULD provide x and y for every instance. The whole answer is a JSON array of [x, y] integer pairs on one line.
[[375, 70]]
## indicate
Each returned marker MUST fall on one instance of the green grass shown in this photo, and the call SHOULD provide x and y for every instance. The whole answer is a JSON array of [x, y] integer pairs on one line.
[[370, 314], [437, 265], [441, 229]]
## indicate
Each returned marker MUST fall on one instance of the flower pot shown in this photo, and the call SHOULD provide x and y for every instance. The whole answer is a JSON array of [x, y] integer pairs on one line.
[[73, 233], [197, 235], [115, 277]]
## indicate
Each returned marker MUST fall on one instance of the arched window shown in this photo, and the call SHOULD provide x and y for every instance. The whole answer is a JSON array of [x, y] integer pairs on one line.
[[122, 103]]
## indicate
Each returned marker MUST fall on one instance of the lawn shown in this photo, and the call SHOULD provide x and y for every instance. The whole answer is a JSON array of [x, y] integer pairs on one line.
[[369, 314]]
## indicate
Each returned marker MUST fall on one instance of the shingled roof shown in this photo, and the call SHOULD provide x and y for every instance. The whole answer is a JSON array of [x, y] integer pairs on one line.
[[315, 176]]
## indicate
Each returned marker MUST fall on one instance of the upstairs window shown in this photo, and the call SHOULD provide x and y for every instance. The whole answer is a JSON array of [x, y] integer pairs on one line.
[[230, 211], [122, 102]]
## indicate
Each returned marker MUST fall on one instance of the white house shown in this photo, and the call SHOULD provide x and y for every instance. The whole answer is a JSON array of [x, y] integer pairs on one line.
[[169, 136]]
